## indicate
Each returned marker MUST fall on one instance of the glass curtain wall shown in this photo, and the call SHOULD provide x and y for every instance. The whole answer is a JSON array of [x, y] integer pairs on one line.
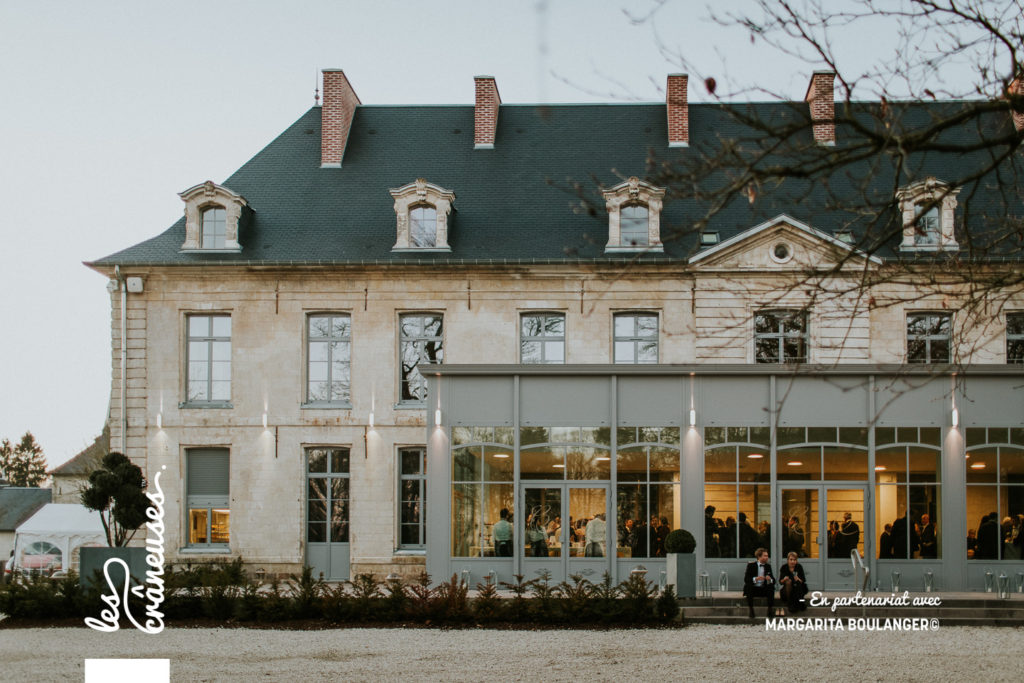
[[647, 489], [995, 493]]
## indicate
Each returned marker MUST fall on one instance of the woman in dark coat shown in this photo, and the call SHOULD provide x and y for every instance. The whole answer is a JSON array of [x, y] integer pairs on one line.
[[793, 584]]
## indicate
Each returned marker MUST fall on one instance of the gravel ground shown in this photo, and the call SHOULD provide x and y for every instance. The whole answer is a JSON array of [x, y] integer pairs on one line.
[[696, 653]]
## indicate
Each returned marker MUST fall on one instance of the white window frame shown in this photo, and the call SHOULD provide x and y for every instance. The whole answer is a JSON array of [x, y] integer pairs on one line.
[[209, 195], [343, 403], [634, 192], [781, 336], [543, 338], [1014, 337], [414, 195], [416, 403], [635, 339], [919, 199], [929, 338], [207, 402], [422, 479]]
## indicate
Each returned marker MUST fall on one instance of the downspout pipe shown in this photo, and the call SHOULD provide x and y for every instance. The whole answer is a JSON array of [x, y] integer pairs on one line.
[[123, 286]]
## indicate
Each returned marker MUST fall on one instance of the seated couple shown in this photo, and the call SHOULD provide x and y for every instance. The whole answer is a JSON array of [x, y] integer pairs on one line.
[[760, 582]]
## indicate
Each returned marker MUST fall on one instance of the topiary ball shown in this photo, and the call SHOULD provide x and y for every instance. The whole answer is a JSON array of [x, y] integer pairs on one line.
[[680, 541]]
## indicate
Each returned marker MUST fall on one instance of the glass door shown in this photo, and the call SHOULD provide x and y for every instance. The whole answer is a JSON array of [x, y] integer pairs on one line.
[[801, 530], [565, 530], [588, 531], [845, 514], [543, 534]]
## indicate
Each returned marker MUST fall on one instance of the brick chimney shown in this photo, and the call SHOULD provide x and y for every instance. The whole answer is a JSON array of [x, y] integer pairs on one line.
[[336, 115], [821, 97], [678, 111], [485, 114], [1016, 89]]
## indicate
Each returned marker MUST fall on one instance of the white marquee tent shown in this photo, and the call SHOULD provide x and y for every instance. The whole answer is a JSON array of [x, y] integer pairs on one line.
[[50, 539]]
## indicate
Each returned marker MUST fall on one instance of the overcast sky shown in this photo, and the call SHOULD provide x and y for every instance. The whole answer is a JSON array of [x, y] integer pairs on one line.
[[109, 109]]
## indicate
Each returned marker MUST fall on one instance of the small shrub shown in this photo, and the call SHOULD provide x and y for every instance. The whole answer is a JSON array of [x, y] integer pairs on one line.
[[488, 604], [451, 600], [365, 596], [305, 591], [396, 599], [543, 593], [421, 598], [577, 597], [518, 608], [680, 541], [638, 598], [337, 603], [667, 605], [606, 600]]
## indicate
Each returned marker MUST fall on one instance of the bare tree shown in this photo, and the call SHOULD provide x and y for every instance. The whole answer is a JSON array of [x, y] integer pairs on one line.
[[935, 125]]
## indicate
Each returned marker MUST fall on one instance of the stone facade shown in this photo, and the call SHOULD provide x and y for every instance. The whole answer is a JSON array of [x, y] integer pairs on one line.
[[704, 315]]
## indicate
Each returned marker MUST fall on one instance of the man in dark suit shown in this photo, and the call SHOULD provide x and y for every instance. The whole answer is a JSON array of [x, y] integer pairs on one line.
[[929, 543], [758, 581], [988, 537], [849, 537], [885, 543]]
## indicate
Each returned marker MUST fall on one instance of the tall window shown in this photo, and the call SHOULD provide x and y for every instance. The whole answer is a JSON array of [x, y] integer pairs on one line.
[[995, 493], [907, 492], [330, 355], [412, 488], [647, 489], [636, 338], [633, 225], [421, 343], [927, 230], [780, 336], [737, 492], [327, 495], [542, 338], [423, 226], [214, 228], [482, 487], [1015, 337], [209, 513], [928, 337], [209, 359]]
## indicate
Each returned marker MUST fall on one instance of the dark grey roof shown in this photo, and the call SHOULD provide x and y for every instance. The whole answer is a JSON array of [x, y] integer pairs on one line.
[[88, 459], [515, 202], [18, 504]]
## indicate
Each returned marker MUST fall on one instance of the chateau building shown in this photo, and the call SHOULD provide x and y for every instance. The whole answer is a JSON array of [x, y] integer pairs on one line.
[[493, 339]]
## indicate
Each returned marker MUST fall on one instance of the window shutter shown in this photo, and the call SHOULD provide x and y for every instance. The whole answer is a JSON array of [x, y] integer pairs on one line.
[[208, 473]]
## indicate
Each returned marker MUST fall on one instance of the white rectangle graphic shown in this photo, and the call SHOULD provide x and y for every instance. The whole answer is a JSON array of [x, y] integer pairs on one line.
[[127, 670]]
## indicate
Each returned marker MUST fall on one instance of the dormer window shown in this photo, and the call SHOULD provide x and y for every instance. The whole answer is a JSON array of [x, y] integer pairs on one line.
[[634, 216], [421, 212], [926, 233], [212, 217], [928, 209], [423, 226], [214, 228], [634, 225]]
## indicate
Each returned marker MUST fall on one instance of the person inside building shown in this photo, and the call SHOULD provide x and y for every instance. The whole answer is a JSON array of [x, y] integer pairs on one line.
[[885, 543], [659, 530], [710, 532], [536, 536], [758, 581], [904, 539], [972, 543], [595, 535], [793, 584], [727, 538], [795, 534], [502, 533], [848, 537], [749, 540], [929, 541], [988, 538]]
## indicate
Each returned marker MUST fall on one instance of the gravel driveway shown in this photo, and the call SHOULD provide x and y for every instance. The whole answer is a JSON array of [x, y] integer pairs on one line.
[[695, 653]]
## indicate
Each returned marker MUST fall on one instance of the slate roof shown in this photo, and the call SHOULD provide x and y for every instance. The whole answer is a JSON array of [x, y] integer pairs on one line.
[[18, 504], [512, 203], [88, 459]]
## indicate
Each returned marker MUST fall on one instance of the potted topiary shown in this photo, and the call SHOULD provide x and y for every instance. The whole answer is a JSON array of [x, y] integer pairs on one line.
[[682, 563], [117, 490]]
